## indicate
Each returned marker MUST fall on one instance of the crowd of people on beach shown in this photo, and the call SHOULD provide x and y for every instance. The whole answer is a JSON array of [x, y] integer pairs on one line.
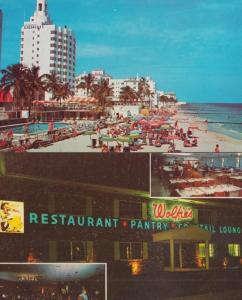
[[154, 128]]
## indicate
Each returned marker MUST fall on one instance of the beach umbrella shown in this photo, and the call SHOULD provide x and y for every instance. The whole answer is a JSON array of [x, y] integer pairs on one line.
[[154, 124], [125, 125], [138, 117], [172, 137], [123, 139], [135, 132], [143, 122], [166, 127], [144, 112], [90, 132], [134, 136], [108, 139]]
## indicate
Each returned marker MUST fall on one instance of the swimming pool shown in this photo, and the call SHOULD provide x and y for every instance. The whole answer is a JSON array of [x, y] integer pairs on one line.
[[37, 128]]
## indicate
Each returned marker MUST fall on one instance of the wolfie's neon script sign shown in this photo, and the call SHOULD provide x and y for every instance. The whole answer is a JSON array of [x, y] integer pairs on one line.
[[175, 213]]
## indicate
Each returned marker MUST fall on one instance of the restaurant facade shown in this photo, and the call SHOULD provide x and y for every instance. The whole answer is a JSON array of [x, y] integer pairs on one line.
[[54, 220]]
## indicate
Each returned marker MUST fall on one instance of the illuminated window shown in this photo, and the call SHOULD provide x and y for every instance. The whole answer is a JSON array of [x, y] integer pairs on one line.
[[72, 251], [79, 251], [234, 249], [211, 250], [202, 250], [130, 251]]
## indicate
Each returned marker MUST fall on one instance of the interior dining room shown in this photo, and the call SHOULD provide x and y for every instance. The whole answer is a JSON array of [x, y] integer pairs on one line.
[[196, 175]]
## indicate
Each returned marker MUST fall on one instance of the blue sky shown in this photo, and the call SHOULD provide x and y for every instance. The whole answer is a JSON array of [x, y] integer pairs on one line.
[[192, 47]]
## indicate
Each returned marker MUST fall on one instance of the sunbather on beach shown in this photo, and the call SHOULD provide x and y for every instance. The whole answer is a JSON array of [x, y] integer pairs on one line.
[[217, 149]]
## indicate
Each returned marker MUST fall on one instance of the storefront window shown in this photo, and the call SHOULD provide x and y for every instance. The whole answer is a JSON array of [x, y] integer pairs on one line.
[[211, 250], [79, 251], [202, 250], [136, 251], [234, 249], [72, 251], [64, 251], [130, 210], [130, 251]]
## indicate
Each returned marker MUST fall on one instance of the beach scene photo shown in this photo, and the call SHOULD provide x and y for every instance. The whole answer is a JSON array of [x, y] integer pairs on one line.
[[85, 78], [196, 175]]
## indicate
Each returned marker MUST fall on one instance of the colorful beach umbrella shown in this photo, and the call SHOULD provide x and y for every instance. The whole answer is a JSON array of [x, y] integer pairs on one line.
[[108, 139], [134, 136], [135, 132], [89, 132], [166, 127]]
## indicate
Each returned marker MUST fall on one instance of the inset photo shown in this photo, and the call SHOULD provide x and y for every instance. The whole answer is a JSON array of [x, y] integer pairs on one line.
[[64, 281], [190, 175]]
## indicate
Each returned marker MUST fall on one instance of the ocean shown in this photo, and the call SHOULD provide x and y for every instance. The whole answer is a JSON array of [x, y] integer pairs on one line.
[[225, 118]]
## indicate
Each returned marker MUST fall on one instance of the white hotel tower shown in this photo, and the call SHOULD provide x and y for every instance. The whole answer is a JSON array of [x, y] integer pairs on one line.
[[48, 46]]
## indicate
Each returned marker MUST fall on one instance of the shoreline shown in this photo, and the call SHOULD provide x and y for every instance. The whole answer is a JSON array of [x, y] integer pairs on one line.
[[208, 139], [218, 125]]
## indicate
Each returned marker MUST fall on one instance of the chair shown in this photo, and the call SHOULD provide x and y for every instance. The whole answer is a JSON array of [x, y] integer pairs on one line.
[[197, 183], [219, 194]]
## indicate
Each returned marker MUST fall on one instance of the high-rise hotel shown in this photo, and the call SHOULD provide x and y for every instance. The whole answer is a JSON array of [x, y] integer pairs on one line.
[[48, 46]]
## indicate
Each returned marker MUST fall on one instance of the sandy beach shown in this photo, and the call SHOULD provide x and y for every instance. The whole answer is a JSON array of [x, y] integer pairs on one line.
[[207, 140]]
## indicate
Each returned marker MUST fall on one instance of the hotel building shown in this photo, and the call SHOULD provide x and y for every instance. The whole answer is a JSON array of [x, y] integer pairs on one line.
[[74, 217], [116, 85], [48, 46], [97, 75]]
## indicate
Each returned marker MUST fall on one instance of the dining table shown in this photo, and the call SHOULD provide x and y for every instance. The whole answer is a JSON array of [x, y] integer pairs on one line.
[[229, 189]]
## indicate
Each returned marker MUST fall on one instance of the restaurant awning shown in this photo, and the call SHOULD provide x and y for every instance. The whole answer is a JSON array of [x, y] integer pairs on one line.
[[191, 233]]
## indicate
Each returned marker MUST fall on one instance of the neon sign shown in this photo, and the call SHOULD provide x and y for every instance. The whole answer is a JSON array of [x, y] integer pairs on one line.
[[160, 211], [134, 224], [71, 220]]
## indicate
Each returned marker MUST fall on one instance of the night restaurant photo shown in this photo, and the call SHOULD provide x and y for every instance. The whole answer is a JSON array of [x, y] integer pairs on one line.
[[196, 175], [52, 281], [66, 210]]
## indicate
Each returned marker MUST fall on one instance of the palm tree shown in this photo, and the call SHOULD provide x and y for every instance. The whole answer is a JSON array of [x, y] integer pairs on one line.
[[13, 80], [86, 83], [164, 99], [102, 92], [35, 84], [51, 83], [173, 100], [127, 94], [150, 95], [143, 89], [62, 92]]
